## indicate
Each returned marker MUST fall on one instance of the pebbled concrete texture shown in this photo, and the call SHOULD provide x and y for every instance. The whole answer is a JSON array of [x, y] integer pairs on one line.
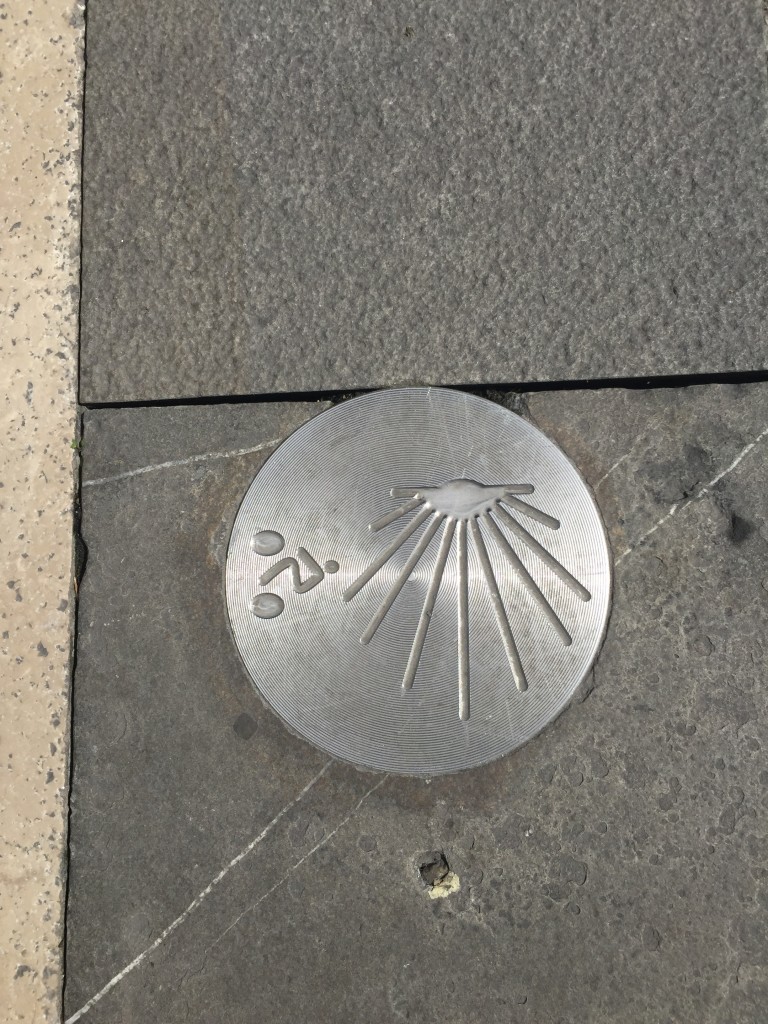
[[307, 197], [41, 56], [614, 869]]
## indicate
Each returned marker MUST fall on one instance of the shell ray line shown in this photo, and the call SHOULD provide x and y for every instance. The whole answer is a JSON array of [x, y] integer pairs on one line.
[[463, 619], [429, 604], [516, 666], [397, 586], [533, 513], [390, 517], [528, 581], [557, 567], [386, 554]]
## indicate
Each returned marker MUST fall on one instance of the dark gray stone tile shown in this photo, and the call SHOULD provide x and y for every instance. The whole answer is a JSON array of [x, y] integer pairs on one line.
[[614, 869], [301, 197]]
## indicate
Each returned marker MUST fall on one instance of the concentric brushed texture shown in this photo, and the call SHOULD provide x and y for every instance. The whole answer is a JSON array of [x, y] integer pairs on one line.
[[495, 667]]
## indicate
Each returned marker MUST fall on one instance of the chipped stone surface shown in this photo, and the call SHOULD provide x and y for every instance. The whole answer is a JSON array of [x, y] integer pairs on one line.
[[614, 869], [40, 88], [299, 197]]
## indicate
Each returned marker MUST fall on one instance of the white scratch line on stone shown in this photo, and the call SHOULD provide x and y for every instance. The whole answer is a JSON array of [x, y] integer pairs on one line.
[[207, 457], [325, 840], [197, 900], [673, 511], [616, 465], [729, 469], [681, 505]]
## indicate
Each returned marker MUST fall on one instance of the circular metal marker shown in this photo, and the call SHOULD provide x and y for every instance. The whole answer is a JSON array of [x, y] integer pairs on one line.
[[418, 580]]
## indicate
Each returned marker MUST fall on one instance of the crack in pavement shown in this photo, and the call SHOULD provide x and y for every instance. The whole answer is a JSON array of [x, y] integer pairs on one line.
[[680, 506], [323, 842], [207, 457], [198, 899]]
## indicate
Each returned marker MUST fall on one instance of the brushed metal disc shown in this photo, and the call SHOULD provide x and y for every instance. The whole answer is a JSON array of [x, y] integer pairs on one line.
[[418, 580]]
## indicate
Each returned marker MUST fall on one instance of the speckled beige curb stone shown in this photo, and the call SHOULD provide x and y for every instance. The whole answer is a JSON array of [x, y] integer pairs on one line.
[[41, 63]]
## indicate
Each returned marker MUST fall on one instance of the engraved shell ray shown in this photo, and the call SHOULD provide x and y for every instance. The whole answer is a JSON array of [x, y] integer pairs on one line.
[[465, 512]]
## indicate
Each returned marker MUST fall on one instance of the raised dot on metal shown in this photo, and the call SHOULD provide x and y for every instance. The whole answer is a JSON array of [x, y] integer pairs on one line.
[[267, 542], [267, 606]]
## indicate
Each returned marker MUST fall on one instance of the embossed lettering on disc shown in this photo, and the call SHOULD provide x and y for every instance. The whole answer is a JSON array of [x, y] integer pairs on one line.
[[418, 580]]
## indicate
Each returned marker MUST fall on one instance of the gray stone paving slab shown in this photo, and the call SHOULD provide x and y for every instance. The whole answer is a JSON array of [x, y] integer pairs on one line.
[[615, 869], [305, 197]]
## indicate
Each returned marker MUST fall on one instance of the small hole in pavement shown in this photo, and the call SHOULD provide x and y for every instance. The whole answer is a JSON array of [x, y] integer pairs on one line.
[[436, 875], [433, 868]]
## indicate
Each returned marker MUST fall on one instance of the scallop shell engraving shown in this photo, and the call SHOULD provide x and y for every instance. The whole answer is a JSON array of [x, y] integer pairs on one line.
[[486, 568], [466, 513]]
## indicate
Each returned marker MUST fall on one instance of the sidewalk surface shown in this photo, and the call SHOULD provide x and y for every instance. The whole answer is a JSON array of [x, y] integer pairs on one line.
[[305, 197], [222, 869], [564, 207], [41, 66]]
